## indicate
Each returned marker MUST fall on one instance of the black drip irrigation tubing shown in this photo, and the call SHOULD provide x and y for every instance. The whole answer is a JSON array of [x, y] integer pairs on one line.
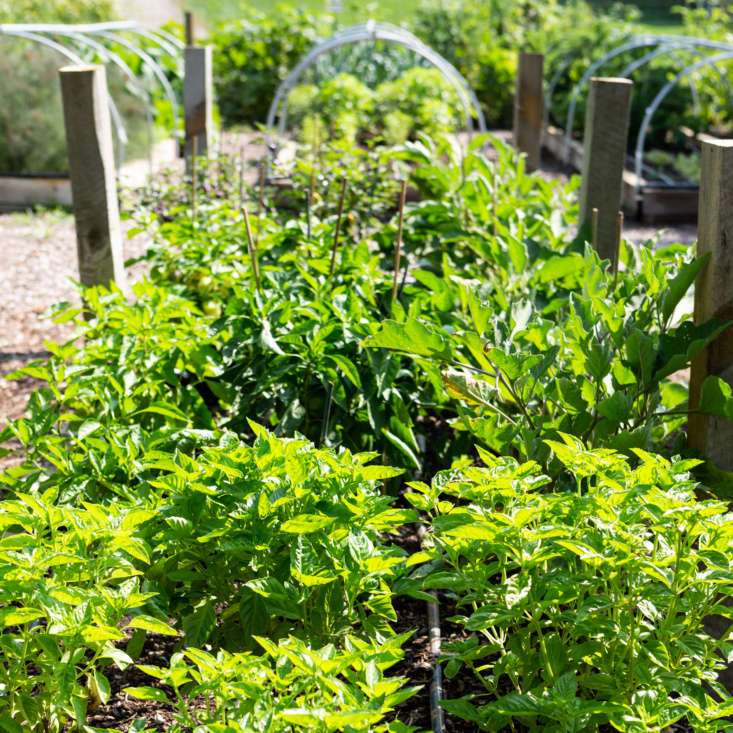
[[436, 686]]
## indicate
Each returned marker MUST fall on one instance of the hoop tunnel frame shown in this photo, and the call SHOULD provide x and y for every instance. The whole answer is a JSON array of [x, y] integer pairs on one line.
[[371, 31]]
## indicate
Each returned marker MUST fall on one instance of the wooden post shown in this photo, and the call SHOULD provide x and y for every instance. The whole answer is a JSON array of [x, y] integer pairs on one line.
[[604, 155], [712, 436], [92, 171], [528, 108], [197, 98]]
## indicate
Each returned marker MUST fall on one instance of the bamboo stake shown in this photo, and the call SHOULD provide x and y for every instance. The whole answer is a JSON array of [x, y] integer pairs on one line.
[[260, 197], [314, 160], [308, 215], [614, 264], [338, 227], [496, 201], [398, 243], [194, 181], [594, 227], [241, 176], [252, 250]]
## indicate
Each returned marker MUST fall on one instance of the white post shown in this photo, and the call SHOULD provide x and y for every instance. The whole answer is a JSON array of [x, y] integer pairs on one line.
[[92, 170]]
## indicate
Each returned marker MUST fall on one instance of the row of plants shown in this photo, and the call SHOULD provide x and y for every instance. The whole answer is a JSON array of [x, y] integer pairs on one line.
[[481, 41], [231, 459]]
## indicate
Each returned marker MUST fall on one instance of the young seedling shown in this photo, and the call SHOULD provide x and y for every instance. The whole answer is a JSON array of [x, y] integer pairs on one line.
[[398, 243], [338, 227], [252, 250]]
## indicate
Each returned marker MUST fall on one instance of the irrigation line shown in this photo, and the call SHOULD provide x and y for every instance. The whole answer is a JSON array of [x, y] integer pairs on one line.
[[437, 718]]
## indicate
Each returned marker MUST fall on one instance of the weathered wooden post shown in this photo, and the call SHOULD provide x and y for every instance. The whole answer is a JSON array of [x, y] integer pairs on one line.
[[92, 170], [528, 107], [604, 155], [712, 436], [197, 98]]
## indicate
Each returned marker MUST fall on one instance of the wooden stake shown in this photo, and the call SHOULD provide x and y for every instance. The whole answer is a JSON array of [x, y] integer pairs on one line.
[[604, 155], [594, 229], [241, 176], [92, 170], [398, 243], [495, 203], [618, 248], [252, 250], [194, 181], [308, 215], [338, 228], [313, 160], [188, 21], [528, 107], [260, 198], [713, 436]]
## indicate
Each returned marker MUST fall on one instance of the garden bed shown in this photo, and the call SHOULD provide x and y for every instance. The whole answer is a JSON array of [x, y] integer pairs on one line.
[[650, 203]]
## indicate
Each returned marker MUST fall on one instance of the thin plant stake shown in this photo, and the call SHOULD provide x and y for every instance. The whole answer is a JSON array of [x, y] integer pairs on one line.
[[313, 160], [338, 227], [495, 202], [252, 250], [241, 176], [614, 264], [194, 178], [260, 197], [594, 233], [398, 243], [308, 214]]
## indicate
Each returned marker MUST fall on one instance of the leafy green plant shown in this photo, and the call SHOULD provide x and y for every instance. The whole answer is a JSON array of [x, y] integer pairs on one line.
[[581, 607], [291, 685], [286, 537], [587, 353], [69, 576]]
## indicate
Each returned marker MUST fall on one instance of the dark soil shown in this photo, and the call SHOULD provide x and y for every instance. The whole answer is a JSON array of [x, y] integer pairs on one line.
[[122, 710]]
